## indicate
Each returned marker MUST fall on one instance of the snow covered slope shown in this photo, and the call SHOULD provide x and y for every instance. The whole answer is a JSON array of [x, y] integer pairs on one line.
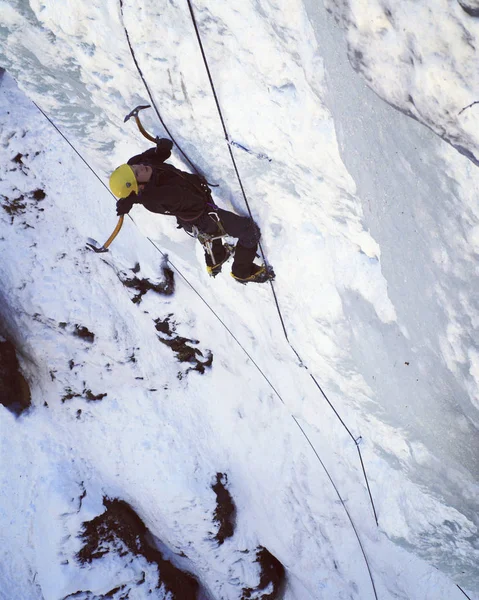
[[162, 432], [422, 58]]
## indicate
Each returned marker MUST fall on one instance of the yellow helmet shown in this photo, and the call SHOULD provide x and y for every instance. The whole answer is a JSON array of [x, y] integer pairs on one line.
[[123, 181]]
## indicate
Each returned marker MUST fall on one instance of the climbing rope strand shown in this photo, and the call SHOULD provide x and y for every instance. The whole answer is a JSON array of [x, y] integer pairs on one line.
[[276, 301], [223, 123], [225, 130], [356, 442], [367, 482], [216, 315], [71, 145], [460, 588], [150, 94], [343, 505]]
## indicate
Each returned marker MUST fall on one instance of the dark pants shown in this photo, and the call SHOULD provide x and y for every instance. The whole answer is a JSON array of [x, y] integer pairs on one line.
[[243, 228]]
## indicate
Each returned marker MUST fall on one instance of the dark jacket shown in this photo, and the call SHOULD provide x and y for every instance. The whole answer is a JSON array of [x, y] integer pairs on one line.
[[170, 191]]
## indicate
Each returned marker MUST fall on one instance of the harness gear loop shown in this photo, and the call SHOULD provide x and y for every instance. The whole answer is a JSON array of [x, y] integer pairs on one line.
[[207, 239], [214, 216]]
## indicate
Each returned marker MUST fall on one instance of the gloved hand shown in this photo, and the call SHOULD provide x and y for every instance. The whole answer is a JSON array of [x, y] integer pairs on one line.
[[163, 145], [124, 205]]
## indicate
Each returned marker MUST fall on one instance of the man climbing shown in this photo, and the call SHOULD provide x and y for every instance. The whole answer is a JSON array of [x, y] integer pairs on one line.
[[162, 188]]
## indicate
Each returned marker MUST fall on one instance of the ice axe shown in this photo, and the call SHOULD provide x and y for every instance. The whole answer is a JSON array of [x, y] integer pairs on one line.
[[93, 244], [134, 113]]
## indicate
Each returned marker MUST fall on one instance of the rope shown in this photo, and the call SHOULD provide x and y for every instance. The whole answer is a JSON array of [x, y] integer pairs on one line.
[[280, 314], [355, 440], [460, 113], [344, 506], [71, 146], [458, 586], [149, 93], [165, 256]]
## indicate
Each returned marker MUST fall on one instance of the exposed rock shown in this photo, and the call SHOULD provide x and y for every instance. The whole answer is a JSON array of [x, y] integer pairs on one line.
[[271, 578], [142, 286], [119, 529], [225, 511], [182, 346], [86, 395], [82, 332], [14, 390], [470, 6]]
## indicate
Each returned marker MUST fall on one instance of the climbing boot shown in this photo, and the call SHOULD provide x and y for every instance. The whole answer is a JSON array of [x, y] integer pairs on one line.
[[260, 274]]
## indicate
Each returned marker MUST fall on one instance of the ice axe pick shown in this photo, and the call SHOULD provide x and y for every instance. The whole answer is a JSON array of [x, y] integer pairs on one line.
[[134, 113]]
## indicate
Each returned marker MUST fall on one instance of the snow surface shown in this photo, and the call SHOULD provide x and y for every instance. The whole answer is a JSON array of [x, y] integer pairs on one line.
[[371, 223], [422, 58]]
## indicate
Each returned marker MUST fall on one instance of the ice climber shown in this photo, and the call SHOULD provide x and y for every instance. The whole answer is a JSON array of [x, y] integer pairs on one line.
[[162, 188]]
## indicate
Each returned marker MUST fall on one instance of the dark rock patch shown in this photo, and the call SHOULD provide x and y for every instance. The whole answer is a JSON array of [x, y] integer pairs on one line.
[[182, 348], [119, 529], [14, 208], [38, 195], [90, 397], [84, 334], [143, 285], [471, 7], [87, 395], [69, 394], [14, 390], [225, 510], [165, 326], [23, 202], [271, 578]]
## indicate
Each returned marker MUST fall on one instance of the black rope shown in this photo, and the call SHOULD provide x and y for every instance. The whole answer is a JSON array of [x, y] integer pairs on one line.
[[356, 442], [463, 592], [280, 314], [460, 113], [150, 95], [71, 146], [345, 508]]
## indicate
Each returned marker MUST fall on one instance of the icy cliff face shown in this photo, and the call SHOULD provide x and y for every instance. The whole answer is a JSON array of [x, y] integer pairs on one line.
[[422, 58], [117, 415]]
